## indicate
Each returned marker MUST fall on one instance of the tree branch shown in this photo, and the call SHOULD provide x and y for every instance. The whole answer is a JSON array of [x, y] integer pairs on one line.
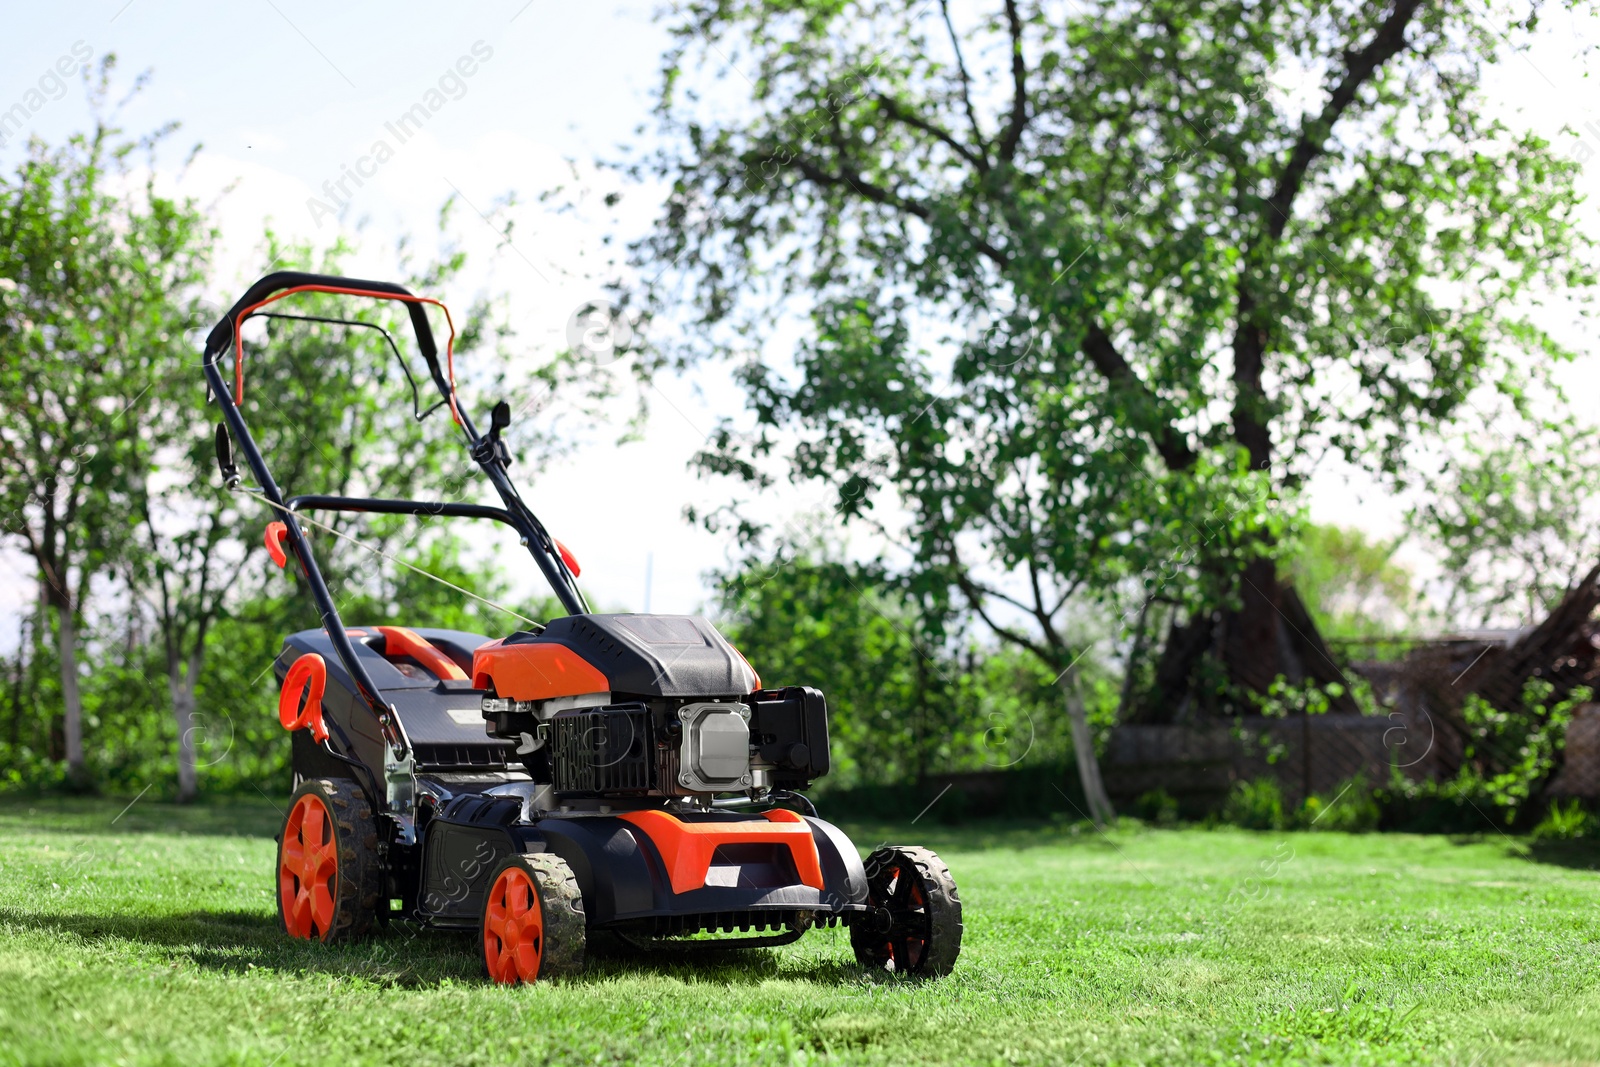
[[1102, 352], [1019, 87], [975, 595], [981, 162], [1360, 66], [1097, 344], [894, 111], [879, 195], [1251, 339]]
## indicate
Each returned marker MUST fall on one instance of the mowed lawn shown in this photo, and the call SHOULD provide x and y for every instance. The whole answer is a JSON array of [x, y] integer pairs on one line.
[[152, 939]]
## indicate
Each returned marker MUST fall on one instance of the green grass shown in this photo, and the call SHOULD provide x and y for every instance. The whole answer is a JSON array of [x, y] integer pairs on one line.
[[153, 940]]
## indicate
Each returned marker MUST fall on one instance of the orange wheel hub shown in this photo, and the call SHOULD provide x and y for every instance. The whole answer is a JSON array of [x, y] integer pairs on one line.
[[908, 938], [513, 928], [308, 869]]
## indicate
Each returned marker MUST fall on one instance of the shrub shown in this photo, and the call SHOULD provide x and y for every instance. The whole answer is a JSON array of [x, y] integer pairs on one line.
[[1256, 805], [1157, 806], [1565, 823], [1349, 809]]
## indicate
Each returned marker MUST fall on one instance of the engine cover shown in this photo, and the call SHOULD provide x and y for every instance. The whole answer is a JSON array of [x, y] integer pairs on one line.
[[632, 655]]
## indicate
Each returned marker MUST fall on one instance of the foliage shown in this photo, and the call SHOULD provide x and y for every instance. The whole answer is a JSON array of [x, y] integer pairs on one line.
[[99, 280], [1351, 808], [1509, 754], [903, 702], [1078, 281], [1515, 518], [1566, 822], [1350, 582], [1255, 805], [1259, 804], [1157, 806], [1284, 698]]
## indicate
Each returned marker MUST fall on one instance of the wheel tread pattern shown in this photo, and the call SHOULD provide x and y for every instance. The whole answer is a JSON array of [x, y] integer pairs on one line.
[[564, 919], [942, 902], [358, 887]]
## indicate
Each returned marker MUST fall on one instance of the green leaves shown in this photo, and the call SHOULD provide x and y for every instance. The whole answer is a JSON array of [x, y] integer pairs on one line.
[[1042, 306], [100, 289], [1513, 516]]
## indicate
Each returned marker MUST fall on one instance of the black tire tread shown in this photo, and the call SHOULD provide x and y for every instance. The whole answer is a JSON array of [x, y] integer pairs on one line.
[[943, 904], [359, 888], [565, 924]]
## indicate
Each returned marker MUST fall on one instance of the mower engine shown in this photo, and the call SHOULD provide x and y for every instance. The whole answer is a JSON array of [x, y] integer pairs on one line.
[[674, 711]]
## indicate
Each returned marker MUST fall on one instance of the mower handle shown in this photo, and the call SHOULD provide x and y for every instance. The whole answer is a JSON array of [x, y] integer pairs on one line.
[[491, 459], [222, 334]]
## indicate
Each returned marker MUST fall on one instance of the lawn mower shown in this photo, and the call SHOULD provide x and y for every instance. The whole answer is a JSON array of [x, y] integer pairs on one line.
[[623, 776]]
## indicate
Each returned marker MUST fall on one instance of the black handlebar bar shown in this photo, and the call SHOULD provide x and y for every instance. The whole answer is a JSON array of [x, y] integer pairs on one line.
[[492, 461], [222, 334]]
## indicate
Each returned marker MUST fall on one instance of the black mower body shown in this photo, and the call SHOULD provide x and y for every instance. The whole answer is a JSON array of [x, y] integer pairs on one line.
[[480, 801]]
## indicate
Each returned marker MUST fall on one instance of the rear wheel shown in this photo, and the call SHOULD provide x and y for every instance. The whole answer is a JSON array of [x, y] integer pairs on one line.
[[915, 927], [329, 874], [533, 921]]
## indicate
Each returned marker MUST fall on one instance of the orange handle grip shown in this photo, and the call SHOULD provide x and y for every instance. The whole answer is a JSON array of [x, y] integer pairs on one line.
[[276, 532], [309, 668]]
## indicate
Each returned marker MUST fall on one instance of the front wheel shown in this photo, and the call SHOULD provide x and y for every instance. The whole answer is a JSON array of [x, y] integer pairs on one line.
[[533, 921], [915, 925]]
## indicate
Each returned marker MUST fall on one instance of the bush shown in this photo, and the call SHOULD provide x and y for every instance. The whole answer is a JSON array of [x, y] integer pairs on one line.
[[1349, 809], [1565, 823], [1256, 805], [1157, 806]]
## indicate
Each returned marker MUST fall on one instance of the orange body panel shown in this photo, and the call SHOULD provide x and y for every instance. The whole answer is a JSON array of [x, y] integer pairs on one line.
[[399, 641], [536, 671], [688, 847]]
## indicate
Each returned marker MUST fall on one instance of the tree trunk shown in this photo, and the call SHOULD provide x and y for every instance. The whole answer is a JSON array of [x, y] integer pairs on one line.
[[72, 700], [1094, 790], [1254, 646], [25, 641], [181, 686]]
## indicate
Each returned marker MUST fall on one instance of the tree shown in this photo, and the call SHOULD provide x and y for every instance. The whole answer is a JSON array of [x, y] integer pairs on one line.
[[1085, 294], [1515, 516], [91, 314], [903, 702]]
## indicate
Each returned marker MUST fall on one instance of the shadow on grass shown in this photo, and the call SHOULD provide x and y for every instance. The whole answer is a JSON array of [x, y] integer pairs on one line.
[[406, 956], [233, 817], [1582, 854]]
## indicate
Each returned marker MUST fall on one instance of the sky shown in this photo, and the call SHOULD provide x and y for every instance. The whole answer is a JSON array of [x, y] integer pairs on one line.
[[286, 96], [289, 97]]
